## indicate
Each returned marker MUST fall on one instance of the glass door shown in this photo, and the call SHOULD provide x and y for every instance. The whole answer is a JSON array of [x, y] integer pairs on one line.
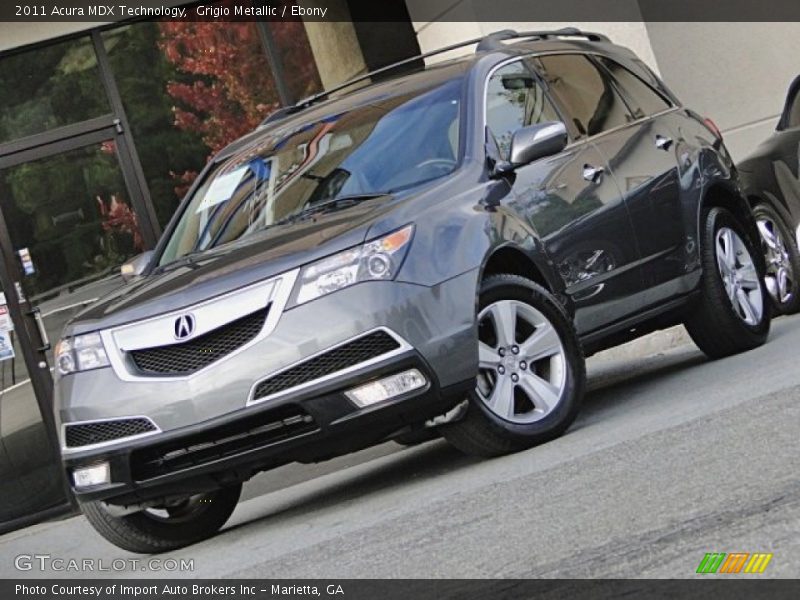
[[67, 223]]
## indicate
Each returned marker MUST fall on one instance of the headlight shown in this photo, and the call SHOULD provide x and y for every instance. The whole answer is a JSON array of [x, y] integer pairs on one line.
[[80, 353], [375, 260]]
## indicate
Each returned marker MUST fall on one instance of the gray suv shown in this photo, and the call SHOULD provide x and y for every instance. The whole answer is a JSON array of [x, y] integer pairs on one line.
[[431, 254]]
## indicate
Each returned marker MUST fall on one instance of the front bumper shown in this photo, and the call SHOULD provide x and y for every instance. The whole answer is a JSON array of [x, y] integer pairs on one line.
[[317, 421], [315, 424]]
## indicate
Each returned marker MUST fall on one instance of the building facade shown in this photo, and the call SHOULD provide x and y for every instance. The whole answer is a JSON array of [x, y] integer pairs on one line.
[[104, 126]]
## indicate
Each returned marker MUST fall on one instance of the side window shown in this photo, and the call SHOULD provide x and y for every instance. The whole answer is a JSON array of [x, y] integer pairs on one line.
[[644, 100], [514, 100], [585, 93]]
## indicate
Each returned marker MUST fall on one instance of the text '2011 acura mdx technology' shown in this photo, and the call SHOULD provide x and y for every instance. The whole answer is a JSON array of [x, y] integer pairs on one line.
[[435, 252]]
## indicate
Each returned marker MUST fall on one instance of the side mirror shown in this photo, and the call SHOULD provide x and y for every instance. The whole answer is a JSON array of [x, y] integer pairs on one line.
[[134, 268], [537, 141]]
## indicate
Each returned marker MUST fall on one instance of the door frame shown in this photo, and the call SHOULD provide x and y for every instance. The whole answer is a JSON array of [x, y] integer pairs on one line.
[[113, 126], [32, 341]]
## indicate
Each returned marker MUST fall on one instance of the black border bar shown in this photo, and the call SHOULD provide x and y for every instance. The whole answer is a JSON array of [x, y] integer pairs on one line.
[[421, 11], [712, 586]]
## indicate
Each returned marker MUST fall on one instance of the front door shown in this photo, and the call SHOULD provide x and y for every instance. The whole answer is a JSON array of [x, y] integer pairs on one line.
[[571, 200], [66, 224]]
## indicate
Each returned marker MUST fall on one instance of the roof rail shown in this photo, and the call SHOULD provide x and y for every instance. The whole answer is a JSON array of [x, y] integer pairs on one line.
[[487, 43], [494, 41]]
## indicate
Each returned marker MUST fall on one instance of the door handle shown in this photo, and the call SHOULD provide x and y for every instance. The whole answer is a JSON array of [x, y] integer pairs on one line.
[[591, 173], [37, 316], [663, 143]]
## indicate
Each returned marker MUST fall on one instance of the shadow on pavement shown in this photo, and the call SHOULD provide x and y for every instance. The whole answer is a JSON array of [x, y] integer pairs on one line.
[[419, 463], [612, 385]]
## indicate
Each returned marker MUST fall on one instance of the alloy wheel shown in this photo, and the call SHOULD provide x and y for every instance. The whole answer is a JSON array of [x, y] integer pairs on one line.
[[522, 364], [739, 276], [779, 278]]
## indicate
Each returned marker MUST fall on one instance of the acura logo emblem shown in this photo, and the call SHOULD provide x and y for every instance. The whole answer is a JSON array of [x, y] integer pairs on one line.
[[184, 327]]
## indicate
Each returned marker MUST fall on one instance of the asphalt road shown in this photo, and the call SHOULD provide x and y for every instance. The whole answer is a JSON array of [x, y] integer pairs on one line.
[[673, 456]]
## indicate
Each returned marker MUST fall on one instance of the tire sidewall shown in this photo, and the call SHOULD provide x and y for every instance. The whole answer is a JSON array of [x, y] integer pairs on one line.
[[716, 219], [141, 533], [494, 290]]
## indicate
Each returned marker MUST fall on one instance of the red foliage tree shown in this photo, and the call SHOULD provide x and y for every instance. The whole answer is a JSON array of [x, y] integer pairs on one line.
[[223, 86], [228, 88]]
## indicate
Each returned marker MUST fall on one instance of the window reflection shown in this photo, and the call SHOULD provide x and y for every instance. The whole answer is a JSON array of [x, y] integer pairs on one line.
[[49, 87], [190, 88], [72, 213], [586, 94], [379, 147]]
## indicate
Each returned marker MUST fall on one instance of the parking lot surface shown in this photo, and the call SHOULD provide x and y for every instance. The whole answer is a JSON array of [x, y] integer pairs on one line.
[[672, 456]]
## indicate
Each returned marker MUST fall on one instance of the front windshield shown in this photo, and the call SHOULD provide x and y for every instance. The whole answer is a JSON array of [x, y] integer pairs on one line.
[[389, 144]]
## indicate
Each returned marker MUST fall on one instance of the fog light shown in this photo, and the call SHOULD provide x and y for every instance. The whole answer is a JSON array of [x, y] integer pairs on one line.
[[94, 475], [388, 387]]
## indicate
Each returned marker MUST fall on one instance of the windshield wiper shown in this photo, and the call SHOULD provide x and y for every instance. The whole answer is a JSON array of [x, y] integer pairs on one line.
[[309, 212]]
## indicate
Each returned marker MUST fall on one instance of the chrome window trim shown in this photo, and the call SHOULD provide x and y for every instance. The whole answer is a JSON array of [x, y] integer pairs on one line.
[[584, 140], [278, 288], [404, 347], [75, 449]]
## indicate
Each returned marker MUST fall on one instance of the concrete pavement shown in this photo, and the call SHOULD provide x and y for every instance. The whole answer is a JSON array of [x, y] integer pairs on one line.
[[673, 456]]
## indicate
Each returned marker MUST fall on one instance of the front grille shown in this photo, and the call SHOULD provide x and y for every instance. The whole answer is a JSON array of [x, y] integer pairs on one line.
[[250, 433], [191, 356], [347, 355], [86, 434]]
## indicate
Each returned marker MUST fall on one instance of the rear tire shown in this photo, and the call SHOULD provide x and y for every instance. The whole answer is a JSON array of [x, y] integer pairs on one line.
[[732, 313], [148, 532], [782, 260], [531, 371]]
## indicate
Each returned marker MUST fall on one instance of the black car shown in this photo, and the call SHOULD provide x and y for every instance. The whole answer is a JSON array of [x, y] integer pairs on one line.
[[434, 251], [771, 181]]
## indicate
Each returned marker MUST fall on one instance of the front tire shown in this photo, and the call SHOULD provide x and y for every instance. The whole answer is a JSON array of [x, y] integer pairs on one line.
[[531, 372], [732, 313], [782, 259], [160, 530]]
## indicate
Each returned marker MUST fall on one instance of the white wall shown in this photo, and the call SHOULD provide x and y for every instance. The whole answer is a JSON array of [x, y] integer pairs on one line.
[[433, 35], [458, 20], [735, 73]]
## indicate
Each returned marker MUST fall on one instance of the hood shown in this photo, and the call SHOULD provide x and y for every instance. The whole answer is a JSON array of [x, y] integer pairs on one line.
[[261, 256]]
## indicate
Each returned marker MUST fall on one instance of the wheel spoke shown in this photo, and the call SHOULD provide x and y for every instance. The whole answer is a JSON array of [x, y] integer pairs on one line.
[[725, 251], [766, 229], [784, 284], [542, 393], [535, 368], [488, 358], [722, 261], [744, 303], [504, 315], [501, 400], [542, 343]]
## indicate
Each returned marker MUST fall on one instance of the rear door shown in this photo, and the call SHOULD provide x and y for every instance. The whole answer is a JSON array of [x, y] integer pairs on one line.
[[642, 156], [570, 200]]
